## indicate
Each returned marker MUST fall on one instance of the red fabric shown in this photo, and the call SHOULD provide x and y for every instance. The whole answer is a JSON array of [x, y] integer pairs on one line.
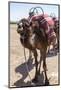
[[46, 17], [40, 17], [49, 20], [44, 25]]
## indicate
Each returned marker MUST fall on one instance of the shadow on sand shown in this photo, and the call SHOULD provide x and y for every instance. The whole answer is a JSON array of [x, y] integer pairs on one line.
[[23, 71]]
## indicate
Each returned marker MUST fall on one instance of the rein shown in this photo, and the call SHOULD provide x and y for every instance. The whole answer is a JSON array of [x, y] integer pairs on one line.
[[27, 65]]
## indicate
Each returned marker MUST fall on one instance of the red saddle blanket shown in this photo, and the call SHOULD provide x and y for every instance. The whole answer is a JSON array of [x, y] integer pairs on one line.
[[50, 31], [46, 17]]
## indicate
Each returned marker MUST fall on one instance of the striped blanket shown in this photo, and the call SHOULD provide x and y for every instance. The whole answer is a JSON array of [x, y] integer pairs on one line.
[[47, 23]]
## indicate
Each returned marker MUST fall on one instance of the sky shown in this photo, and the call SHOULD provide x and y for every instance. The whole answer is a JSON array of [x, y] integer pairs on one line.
[[21, 10]]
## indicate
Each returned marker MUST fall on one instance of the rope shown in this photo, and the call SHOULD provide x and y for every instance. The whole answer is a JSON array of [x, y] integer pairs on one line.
[[27, 66]]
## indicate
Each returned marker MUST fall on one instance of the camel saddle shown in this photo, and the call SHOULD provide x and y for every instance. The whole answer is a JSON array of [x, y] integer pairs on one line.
[[47, 24]]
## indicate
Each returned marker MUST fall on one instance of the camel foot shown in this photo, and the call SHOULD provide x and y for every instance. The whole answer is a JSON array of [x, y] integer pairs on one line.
[[46, 83], [35, 80]]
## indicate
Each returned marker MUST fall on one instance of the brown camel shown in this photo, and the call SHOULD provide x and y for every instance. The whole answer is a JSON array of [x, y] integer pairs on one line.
[[34, 37]]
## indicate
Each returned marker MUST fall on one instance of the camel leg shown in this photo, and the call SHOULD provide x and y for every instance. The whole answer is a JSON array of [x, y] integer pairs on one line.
[[30, 54], [41, 58], [30, 57], [36, 63], [40, 62], [45, 68]]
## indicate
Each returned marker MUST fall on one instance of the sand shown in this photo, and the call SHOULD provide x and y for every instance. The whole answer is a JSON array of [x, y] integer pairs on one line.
[[18, 72]]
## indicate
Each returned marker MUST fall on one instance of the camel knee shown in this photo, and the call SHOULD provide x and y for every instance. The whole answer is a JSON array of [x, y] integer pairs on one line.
[[44, 66]]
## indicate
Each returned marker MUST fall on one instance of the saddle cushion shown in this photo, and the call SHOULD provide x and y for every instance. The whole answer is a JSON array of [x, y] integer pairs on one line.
[[46, 17], [48, 27]]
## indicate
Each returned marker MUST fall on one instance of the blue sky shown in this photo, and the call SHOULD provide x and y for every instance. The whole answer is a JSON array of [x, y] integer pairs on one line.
[[21, 10]]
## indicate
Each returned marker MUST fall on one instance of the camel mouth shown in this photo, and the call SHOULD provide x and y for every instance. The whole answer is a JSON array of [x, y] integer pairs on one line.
[[20, 30]]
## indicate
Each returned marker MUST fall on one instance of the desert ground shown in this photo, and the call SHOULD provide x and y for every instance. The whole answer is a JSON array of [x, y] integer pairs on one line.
[[18, 72]]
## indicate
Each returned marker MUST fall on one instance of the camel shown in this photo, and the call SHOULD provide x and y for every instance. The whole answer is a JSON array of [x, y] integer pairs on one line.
[[33, 37]]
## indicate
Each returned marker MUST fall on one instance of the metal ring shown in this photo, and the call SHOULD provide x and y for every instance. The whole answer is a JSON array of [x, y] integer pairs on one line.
[[35, 8]]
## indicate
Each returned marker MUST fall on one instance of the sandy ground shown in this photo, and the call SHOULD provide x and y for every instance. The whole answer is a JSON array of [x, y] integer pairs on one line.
[[18, 72]]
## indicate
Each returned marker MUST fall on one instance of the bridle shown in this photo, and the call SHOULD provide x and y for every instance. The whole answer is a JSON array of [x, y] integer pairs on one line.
[[27, 66]]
